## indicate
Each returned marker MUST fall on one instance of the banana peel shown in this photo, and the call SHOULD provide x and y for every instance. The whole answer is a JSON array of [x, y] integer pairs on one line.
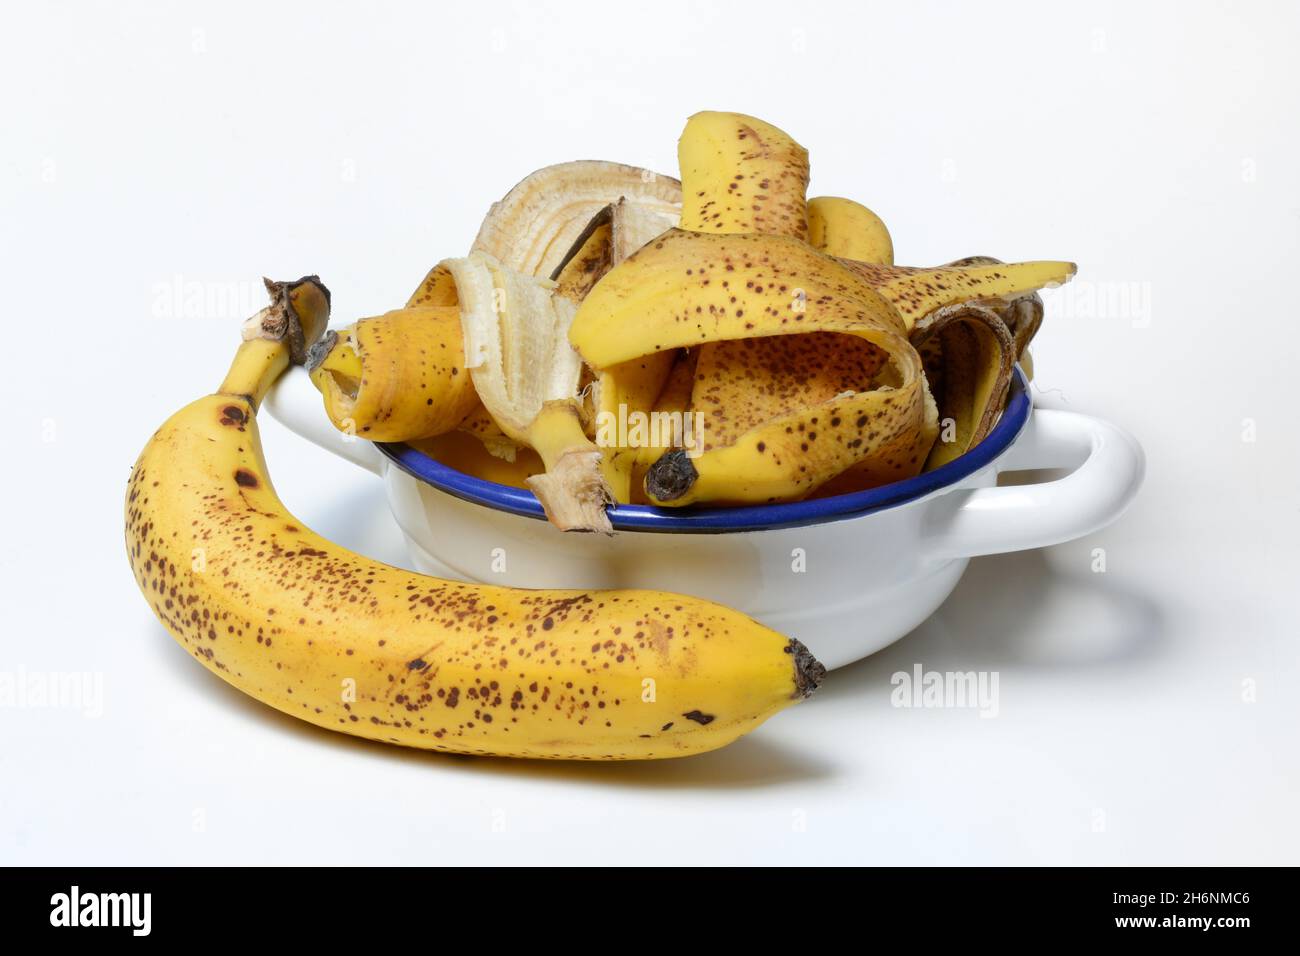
[[741, 174], [532, 229], [848, 229], [766, 370], [1023, 314], [914, 292], [689, 289], [528, 377], [968, 354], [785, 404], [910, 349], [570, 223], [969, 351], [395, 377], [614, 233]]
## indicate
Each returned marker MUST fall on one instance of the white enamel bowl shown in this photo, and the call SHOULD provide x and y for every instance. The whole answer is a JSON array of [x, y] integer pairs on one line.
[[846, 575]]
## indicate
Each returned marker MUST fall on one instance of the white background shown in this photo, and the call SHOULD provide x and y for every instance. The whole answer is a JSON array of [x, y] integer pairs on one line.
[[148, 152]]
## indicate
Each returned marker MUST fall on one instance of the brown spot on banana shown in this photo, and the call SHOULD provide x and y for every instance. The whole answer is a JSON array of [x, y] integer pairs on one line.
[[232, 416]]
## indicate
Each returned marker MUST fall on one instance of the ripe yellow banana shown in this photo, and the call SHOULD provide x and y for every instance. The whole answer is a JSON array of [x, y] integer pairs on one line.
[[395, 377], [360, 647], [844, 228]]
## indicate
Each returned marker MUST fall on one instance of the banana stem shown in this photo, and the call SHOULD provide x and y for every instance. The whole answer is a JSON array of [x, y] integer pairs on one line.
[[556, 431], [279, 334], [257, 364], [573, 491]]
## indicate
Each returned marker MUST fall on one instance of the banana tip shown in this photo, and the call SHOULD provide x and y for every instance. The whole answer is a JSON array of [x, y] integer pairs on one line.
[[809, 672], [671, 476]]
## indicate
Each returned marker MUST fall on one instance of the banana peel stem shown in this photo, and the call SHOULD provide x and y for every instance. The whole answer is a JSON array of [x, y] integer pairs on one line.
[[256, 366], [574, 492], [671, 477], [277, 335]]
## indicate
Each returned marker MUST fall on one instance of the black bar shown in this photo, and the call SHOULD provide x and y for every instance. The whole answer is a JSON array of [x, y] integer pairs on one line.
[[334, 905]]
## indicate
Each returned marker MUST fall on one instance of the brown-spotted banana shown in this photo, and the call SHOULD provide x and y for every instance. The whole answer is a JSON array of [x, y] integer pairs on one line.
[[689, 289], [971, 320], [395, 377], [780, 418], [728, 278], [360, 647], [966, 348]]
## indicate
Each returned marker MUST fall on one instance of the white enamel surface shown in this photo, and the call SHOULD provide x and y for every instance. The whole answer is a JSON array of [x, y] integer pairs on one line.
[[845, 588], [1108, 468], [295, 403]]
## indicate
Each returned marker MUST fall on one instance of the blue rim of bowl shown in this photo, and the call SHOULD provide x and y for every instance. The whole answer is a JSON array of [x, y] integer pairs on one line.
[[690, 520]]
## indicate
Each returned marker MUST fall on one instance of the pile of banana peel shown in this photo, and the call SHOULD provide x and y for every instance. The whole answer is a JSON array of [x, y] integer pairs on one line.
[[801, 359]]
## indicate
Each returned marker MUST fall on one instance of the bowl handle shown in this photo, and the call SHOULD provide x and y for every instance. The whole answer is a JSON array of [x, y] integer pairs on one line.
[[1108, 465], [294, 402]]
